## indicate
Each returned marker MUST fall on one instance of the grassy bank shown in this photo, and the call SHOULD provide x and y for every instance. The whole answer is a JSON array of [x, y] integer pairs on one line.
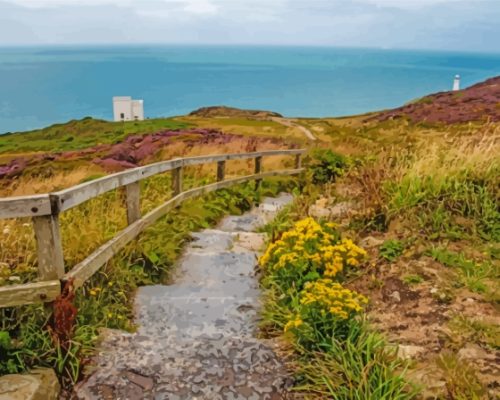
[[320, 322], [427, 210]]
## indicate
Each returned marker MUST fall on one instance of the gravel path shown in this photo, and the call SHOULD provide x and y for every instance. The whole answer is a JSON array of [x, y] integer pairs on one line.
[[293, 124], [196, 336]]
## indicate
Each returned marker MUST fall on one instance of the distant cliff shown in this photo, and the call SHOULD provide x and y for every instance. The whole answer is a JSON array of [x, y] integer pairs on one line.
[[223, 111]]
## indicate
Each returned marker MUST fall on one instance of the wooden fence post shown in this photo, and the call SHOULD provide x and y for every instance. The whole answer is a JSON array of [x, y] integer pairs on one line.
[[258, 170], [177, 180], [221, 170], [298, 161], [133, 199], [49, 247]]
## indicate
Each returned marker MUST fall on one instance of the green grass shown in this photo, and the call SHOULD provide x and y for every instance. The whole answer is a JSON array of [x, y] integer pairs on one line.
[[461, 380], [358, 368], [80, 134], [456, 207], [412, 279], [466, 330], [475, 275], [391, 249]]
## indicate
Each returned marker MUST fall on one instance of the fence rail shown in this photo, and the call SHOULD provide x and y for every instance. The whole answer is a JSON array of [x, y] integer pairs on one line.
[[45, 209]]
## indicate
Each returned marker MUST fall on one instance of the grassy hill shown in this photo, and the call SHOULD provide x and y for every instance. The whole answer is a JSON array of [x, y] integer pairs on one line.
[[420, 196], [80, 134]]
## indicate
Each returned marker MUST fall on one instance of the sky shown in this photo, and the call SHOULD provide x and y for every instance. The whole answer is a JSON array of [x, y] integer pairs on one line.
[[456, 25]]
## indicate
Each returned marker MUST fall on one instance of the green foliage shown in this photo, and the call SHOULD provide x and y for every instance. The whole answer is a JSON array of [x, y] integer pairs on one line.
[[461, 380], [412, 279], [468, 330], [452, 207], [474, 275], [360, 367], [327, 165], [391, 249], [8, 361]]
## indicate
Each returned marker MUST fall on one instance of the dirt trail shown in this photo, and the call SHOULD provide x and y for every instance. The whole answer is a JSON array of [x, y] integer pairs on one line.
[[196, 336], [292, 124]]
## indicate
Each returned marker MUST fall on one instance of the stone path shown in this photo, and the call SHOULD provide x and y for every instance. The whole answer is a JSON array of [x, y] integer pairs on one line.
[[196, 336]]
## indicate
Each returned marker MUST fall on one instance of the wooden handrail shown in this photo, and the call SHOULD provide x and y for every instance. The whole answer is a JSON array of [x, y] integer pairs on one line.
[[45, 210]]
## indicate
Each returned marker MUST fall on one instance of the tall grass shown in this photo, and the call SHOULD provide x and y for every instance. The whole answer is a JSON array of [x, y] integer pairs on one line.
[[360, 367], [448, 189]]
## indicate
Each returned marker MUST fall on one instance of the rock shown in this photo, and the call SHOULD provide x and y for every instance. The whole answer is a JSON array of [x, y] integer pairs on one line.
[[341, 210], [370, 242], [409, 351], [319, 212], [434, 384], [251, 241], [473, 352], [40, 384], [336, 212], [143, 381], [395, 296], [241, 223]]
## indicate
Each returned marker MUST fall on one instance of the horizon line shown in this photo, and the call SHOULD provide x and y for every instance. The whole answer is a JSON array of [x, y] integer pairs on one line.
[[244, 44]]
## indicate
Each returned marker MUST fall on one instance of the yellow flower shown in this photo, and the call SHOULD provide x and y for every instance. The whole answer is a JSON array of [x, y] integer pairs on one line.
[[93, 292], [331, 297], [293, 323]]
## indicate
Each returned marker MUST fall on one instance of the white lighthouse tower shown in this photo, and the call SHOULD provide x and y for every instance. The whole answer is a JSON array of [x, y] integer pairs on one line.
[[456, 83]]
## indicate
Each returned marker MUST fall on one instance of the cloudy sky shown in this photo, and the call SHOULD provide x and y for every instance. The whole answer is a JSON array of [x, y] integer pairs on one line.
[[472, 25]]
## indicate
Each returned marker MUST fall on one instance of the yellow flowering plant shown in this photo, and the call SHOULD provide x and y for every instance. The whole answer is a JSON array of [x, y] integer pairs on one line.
[[308, 251], [325, 311]]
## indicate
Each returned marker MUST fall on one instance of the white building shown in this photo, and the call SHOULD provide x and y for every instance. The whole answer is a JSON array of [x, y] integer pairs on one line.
[[126, 109], [456, 83]]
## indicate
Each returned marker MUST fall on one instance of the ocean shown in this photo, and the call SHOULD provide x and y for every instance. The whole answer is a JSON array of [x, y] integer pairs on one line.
[[40, 86]]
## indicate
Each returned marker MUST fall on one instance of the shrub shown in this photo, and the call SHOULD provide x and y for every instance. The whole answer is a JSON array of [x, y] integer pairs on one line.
[[327, 166]]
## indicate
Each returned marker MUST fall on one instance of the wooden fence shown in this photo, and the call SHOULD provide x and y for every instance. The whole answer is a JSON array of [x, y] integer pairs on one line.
[[45, 209]]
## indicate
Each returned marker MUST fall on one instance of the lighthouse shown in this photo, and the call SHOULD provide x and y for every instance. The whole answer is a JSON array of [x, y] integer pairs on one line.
[[456, 83]]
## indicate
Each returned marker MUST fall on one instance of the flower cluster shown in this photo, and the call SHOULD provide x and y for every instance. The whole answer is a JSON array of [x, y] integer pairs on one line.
[[329, 297], [310, 246], [306, 264]]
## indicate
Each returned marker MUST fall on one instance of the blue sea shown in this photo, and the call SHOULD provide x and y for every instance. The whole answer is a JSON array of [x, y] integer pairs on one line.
[[40, 86]]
